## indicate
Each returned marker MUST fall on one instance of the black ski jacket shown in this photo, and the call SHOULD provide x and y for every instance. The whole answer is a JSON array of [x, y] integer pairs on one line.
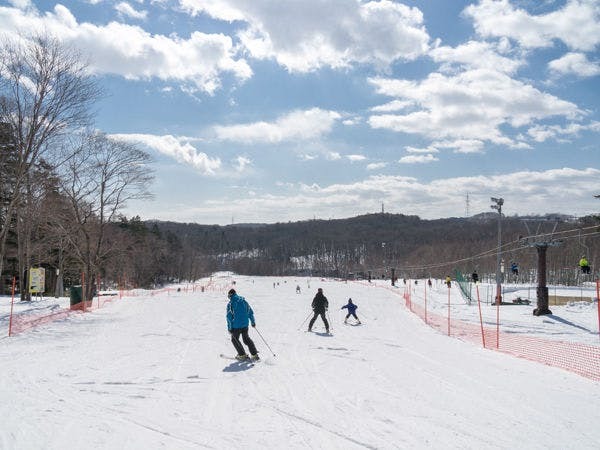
[[320, 303]]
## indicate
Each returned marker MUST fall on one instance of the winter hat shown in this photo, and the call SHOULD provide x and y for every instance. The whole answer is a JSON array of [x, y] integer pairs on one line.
[[231, 293], [349, 300]]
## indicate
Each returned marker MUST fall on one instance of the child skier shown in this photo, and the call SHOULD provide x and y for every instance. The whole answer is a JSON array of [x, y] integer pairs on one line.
[[239, 313], [351, 307]]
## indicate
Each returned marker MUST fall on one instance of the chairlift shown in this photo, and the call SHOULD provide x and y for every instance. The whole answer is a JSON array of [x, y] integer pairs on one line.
[[583, 262]]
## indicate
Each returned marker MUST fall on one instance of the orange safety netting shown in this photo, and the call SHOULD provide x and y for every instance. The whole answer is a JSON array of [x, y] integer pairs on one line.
[[576, 357]]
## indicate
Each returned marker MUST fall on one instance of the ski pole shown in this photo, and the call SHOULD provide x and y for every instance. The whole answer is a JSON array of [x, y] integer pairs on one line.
[[263, 339], [309, 314]]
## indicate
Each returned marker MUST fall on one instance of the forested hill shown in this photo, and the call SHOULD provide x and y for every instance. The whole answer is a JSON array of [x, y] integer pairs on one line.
[[414, 247]]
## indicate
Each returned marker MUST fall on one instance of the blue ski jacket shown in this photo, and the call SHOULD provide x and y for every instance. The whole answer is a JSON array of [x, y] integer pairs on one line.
[[239, 313], [351, 307]]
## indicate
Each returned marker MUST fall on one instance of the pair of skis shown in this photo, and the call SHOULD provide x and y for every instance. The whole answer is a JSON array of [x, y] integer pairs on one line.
[[245, 361]]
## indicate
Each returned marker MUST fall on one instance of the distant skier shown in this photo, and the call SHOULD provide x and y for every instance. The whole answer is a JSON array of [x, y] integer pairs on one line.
[[239, 313], [429, 282], [584, 264], [319, 306], [351, 307], [448, 281], [297, 289], [475, 276]]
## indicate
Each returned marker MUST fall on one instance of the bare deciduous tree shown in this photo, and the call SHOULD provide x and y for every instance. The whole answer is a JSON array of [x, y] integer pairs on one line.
[[45, 91], [98, 180]]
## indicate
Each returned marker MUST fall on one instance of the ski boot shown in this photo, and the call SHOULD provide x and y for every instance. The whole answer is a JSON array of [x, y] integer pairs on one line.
[[254, 357], [241, 357]]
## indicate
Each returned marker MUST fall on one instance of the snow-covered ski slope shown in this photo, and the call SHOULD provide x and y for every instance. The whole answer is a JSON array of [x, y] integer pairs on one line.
[[145, 373]]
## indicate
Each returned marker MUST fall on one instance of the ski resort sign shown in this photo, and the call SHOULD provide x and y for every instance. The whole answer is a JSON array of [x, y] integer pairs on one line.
[[37, 280]]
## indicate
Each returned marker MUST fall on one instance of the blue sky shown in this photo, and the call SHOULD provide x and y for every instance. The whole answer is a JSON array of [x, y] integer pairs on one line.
[[275, 111]]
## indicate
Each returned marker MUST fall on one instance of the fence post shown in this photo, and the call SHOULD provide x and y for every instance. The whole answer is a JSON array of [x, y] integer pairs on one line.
[[480, 316], [448, 310], [98, 289], [425, 287], [12, 302], [498, 323], [598, 303], [83, 292]]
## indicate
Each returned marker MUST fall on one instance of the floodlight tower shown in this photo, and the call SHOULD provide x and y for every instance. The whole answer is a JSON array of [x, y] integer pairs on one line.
[[498, 206]]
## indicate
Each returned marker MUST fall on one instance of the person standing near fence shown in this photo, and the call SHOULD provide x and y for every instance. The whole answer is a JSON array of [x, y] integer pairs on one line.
[[239, 313], [319, 306]]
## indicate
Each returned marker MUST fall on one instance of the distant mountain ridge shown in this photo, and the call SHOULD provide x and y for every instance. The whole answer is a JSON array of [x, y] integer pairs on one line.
[[377, 241]]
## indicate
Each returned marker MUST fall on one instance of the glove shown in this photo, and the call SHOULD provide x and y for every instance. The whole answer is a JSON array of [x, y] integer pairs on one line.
[[253, 325]]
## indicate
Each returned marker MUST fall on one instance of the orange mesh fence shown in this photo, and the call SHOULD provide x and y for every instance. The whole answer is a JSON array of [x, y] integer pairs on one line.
[[582, 359], [24, 321], [34, 317]]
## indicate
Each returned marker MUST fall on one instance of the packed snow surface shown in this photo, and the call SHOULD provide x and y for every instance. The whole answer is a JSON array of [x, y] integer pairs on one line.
[[144, 372]]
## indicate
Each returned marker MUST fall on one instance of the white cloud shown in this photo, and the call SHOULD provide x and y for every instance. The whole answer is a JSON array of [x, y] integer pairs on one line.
[[296, 125], [241, 163], [376, 166], [333, 156], [356, 158], [418, 159], [197, 62], [351, 121], [125, 9], [475, 54], [429, 149], [178, 148], [394, 105], [577, 23], [527, 192], [22, 4], [462, 145], [475, 105], [306, 35], [576, 64], [541, 133]]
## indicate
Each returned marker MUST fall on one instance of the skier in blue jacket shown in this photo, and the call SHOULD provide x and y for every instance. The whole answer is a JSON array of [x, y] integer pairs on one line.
[[239, 313], [351, 307]]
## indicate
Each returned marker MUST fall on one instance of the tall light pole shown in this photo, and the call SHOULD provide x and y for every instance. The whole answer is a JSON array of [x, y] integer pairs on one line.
[[498, 206]]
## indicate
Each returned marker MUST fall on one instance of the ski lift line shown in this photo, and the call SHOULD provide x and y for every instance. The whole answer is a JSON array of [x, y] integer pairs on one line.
[[560, 232], [494, 250], [484, 254], [582, 235], [490, 252]]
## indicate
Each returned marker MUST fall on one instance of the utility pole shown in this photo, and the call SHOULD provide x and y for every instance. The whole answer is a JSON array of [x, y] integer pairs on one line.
[[498, 206], [467, 206]]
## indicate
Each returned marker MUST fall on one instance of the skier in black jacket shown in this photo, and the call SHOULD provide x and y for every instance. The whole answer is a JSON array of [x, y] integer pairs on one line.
[[319, 306]]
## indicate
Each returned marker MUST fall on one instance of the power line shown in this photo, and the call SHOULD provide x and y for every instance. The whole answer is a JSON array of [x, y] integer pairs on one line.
[[493, 251]]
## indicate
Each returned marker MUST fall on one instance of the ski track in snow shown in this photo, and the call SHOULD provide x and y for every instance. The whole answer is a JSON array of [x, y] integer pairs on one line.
[[145, 373]]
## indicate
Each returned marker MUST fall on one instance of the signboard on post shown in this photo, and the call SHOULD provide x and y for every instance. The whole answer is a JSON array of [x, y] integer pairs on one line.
[[37, 280]]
